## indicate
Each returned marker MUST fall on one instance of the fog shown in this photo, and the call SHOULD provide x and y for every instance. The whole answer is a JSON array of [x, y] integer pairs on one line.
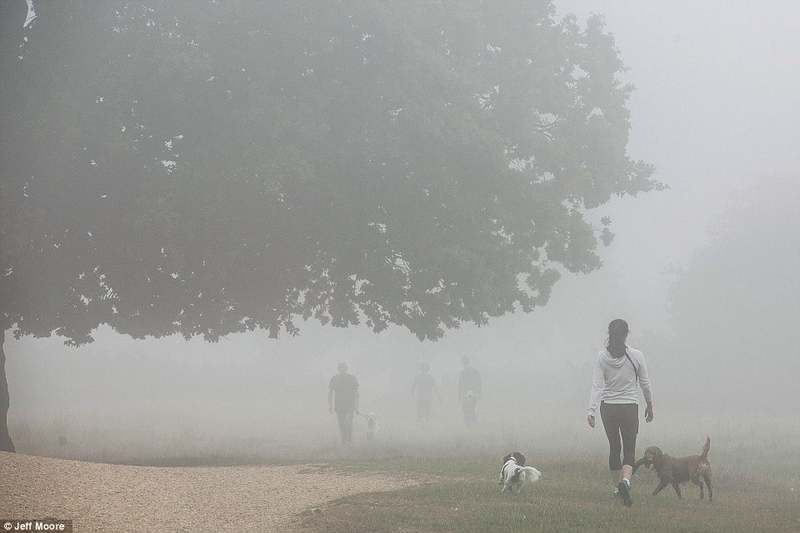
[[705, 272]]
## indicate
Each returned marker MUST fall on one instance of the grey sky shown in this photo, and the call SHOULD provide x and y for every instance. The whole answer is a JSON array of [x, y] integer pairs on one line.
[[716, 109]]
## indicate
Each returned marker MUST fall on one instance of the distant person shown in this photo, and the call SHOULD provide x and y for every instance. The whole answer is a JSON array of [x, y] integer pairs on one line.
[[424, 389], [618, 373], [469, 391], [343, 399]]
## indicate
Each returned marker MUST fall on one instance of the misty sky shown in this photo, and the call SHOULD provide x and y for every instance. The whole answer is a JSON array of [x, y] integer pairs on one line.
[[716, 109]]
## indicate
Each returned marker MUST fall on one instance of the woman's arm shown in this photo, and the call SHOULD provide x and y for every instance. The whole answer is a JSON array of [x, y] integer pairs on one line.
[[598, 384], [647, 390]]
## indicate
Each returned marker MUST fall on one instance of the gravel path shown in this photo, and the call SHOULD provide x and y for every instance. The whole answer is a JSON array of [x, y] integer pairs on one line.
[[112, 498]]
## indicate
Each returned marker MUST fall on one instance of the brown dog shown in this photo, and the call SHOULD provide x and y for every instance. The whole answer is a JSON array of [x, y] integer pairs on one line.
[[676, 470]]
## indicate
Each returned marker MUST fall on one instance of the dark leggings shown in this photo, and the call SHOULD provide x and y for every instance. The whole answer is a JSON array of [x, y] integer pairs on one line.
[[620, 419]]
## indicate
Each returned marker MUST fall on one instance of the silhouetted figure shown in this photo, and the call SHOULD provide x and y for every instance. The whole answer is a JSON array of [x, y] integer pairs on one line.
[[343, 399], [469, 391], [423, 389]]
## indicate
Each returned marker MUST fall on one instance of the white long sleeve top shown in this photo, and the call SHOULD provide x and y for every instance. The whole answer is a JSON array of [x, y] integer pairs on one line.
[[614, 380]]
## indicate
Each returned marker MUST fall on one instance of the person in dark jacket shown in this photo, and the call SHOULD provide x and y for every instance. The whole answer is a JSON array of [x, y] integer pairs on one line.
[[343, 400], [469, 391]]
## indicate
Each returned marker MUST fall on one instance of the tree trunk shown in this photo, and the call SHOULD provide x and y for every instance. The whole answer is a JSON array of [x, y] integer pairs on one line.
[[5, 439]]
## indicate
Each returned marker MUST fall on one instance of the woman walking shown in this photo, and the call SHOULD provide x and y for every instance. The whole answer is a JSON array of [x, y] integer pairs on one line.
[[618, 373]]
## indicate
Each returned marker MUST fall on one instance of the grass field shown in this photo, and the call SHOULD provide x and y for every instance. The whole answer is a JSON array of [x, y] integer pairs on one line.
[[574, 495], [755, 461]]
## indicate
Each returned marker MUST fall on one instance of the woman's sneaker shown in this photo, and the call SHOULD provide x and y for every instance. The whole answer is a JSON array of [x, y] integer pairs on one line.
[[624, 490]]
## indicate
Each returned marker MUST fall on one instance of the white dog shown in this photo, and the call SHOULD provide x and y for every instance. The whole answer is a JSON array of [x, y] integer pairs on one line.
[[515, 474]]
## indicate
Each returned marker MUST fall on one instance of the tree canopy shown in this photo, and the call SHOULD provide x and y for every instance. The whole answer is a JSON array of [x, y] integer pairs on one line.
[[204, 167]]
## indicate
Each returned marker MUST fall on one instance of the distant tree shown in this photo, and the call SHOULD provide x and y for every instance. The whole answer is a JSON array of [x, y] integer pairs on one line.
[[736, 307], [203, 167]]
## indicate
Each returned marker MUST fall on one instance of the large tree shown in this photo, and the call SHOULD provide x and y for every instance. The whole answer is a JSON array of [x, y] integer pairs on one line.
[[203, 167]]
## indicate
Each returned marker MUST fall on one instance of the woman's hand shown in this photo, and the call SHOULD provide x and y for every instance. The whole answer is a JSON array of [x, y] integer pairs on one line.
[[648, 413], [590, 420]]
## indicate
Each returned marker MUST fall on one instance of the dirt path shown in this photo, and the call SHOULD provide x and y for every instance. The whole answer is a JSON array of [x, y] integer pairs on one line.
[[111, 498]]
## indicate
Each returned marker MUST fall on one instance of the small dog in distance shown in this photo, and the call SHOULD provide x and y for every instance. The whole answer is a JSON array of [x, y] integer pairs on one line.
[[372, 426]]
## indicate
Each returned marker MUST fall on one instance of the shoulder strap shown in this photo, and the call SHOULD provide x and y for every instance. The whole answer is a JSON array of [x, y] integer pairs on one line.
[[635, 370]]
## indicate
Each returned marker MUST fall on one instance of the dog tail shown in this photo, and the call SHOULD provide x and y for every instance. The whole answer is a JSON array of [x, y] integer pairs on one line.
[[706, 448]]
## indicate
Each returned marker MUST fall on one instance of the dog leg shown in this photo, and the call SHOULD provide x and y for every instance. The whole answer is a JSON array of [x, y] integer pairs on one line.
[[707, 479], [699, 483], [661, 485], [677, 489]]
